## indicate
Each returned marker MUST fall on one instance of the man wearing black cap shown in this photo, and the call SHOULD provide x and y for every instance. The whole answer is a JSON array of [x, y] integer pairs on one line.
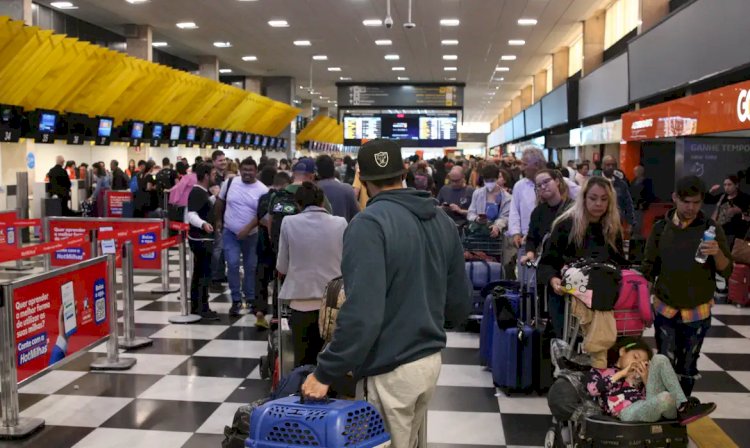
[[404, 276]]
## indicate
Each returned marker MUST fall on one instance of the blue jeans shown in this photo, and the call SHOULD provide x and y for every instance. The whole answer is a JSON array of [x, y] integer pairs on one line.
[[681, 342], [233, 249]]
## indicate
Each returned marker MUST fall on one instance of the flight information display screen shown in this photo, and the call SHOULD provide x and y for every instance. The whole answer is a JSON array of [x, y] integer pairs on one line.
[[411, 130], [359, 128], [401, 127], [438, 128]]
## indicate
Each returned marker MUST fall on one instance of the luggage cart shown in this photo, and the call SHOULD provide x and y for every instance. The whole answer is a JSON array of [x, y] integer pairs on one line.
[[492, 247]]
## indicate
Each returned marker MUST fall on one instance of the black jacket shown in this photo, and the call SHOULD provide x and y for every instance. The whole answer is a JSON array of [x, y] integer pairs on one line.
[[59, 182], [120, 180], [669, 260], [624, 201], [404, 276], [562, 251]]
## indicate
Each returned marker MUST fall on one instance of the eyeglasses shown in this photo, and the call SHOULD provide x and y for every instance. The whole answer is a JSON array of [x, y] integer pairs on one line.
[[543, 184]]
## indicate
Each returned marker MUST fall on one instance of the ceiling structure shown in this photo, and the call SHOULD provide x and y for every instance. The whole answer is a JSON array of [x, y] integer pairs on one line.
[[335, 29]]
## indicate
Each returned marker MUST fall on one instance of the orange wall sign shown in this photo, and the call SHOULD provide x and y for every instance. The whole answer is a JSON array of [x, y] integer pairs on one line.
[[719, 110]]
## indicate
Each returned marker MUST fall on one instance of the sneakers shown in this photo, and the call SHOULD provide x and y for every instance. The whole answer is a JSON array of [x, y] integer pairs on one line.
[[693, 410], [261, 321], [209, 315], [234, 311]]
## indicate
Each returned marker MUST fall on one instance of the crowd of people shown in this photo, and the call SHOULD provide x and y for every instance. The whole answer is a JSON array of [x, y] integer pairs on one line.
[[389, 227]]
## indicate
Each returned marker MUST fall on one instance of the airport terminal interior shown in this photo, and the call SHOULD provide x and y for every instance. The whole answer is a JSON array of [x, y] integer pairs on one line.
[[151, 297]]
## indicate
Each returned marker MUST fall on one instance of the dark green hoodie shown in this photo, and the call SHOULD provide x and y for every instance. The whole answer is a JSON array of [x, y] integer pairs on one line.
[[404, 275]]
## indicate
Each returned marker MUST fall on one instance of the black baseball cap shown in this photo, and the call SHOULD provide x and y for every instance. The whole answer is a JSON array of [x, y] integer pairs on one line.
[[380, 159]]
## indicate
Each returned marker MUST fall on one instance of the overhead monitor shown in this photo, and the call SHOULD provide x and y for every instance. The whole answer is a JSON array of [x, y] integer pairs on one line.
[[10, 123], [46, 127], [358, 128], [258, 139], [438, 128], [228, 135], [190, 136], [264, 143], [248, 139], [136, 130], [105, 128], [238, 139], [174, 134]]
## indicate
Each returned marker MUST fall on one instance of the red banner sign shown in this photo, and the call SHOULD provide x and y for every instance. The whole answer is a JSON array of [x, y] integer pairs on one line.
[[114, 201], [16, 253], [161, 245], [179, 226], [719, 110], [59, 316], [141, 233], [7, 230]]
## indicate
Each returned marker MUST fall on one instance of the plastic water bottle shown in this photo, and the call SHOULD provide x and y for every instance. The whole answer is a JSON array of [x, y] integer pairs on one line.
[[708, 235]]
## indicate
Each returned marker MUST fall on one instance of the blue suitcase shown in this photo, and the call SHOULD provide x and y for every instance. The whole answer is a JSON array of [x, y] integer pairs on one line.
[[481, 274], [487, 326], [288, 422], [512, 360]]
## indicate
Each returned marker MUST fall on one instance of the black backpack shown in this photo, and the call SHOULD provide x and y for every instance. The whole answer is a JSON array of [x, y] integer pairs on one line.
[[165, 179], [236, 435], [282, 205]]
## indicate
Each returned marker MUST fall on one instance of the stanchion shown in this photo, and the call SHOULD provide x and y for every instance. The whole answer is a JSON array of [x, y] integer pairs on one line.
[[165, 288], [128, 339], [45, 234], [94, 243], [112, 361], [13, 426], [185, 317]]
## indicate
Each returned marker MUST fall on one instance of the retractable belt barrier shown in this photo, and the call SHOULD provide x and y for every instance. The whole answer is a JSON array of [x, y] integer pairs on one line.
[[41, 249]]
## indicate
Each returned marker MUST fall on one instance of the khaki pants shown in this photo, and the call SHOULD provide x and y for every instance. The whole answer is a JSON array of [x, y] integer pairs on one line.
[[402, 396], [599, 332]]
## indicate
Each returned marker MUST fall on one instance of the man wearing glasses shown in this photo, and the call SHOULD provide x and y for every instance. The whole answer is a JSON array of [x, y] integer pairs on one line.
[[455, 197]]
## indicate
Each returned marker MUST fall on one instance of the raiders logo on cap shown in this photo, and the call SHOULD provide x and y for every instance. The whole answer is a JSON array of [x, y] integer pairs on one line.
[[380, 159]]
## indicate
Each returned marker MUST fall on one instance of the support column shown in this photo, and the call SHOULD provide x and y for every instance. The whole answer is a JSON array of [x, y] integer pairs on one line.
[[527, 96], [253, 84], [208, 67], [306, 109], [652, 11], [593, 42], [281, 88], [17, 10], [540, 85], [324, 110], [560, 60], [139, 40]]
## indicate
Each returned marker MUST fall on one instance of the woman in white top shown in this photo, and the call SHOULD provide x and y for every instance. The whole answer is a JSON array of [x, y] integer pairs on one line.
[[310, 248]]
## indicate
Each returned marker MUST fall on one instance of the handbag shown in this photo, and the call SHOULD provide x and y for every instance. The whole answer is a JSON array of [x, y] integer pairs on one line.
[[741, 251]]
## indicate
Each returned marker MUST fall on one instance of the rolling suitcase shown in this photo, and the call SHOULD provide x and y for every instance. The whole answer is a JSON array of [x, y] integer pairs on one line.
[[481, 273], [512, 361], [487, 325], [739, 285]]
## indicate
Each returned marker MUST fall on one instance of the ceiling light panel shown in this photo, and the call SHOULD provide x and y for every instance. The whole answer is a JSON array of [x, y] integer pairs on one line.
[[63, 5], [448, 42], [334, 69], [187, 25], [450, 57], [450, 69], [403, 78], [527, 22], [516, 42], [136, 2], [320, 57], [249, 58], [383, 42], [450, 22], [225, 70], [344, 78], [159, 44], [302, 43], [392, 57], [222, 44], [372, 22], [398, 69], [278, 23], [508, 57], [502, 69]]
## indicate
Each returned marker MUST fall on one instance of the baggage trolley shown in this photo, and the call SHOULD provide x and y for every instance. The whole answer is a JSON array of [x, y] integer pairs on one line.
[[492, 247]]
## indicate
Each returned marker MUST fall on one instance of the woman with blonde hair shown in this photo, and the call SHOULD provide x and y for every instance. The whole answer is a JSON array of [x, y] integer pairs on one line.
[[589, 230]]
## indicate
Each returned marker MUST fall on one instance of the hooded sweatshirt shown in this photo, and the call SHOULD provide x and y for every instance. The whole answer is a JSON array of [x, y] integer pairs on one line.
[[404, 276], [681, 282]]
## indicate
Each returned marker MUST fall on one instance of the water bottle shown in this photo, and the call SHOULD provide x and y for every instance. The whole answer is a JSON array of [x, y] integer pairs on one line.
[[708, 235]]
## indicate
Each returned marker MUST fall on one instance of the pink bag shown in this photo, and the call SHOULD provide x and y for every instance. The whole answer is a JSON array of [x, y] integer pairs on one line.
[[633, 308]]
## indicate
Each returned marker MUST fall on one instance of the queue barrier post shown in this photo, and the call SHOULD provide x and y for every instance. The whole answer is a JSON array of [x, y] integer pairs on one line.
[[94, 243], [128, 339], [46, 235], [164, 288], [112, 361], [13, 426], [185, 317], [18, 235]]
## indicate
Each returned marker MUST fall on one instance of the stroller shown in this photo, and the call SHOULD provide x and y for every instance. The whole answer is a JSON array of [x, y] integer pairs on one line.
[[577, 419]]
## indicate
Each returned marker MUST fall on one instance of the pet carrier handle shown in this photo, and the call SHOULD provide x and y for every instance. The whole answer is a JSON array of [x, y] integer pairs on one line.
[[304, 400]]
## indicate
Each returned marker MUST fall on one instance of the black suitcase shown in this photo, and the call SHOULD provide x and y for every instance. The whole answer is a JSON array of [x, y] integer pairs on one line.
[[608, 432]]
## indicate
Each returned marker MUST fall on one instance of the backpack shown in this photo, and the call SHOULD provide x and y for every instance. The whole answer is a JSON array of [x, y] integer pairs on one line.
[[282, 205], [594, 283], [134, 183], [236, 435], [421, 182], [333, 298], [633, 307], [165, 179]]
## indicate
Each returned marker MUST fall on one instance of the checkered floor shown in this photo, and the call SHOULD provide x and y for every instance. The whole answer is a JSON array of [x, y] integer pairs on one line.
[[186, 387]]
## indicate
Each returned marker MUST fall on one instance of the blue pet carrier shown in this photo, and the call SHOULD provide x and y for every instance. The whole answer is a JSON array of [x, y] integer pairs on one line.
[[288, 422]]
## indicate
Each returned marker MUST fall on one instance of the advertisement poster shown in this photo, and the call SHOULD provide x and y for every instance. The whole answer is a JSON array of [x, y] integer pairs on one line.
[[59, 316], [7, 231], [115, 200], [61, 230]]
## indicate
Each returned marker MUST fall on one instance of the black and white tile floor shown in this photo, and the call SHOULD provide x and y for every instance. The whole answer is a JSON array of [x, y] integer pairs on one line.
[[186, 387]]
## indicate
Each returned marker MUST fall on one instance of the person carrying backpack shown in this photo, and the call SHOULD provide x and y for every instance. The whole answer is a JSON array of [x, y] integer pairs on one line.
[[422, 179], [166, 178]]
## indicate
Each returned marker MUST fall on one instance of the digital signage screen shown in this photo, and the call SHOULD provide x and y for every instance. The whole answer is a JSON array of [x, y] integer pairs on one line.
[[358, 128], [157, 131], [136, 131], [228, 138], [411, 130], [105, 128], [174, 133], [257, 140], [47, 122], [190, 134], [216, 137], [400, 127], [238, 138]]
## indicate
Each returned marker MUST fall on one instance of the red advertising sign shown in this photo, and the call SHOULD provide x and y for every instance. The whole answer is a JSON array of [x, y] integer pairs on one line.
[[719, 110], [7, 229], [143, 233], [58, 316], [114, 201]]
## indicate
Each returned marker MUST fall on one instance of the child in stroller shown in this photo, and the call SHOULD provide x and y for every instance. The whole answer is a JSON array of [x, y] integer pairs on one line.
[[583, 419]]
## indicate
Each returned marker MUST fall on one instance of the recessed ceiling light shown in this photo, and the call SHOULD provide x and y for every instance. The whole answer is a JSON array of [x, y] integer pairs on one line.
[[225, 70], [502, 69], [450, 79], [323, 97], [403, 78], [159, 44], [516, 42], [491, 93], [302, 43], [344, 78], [222, 44], [187, 25], [508, 57], [249, 58], [278, 23], [527, 22], [398, 69], [63, 5], [372, 22], [499, 79], [135, 2], [449, 42], [450, 69], [383, 42], [450, 57], [320, 57], [450, 22], [392, 57], [334, 69], [497, 87]]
